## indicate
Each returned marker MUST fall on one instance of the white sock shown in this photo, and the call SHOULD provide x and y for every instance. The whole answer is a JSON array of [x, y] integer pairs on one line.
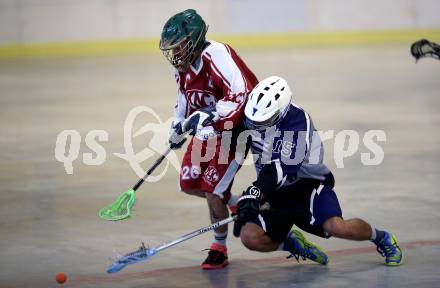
[[220, 238], [281, 247], [373, 234], [233, 200]]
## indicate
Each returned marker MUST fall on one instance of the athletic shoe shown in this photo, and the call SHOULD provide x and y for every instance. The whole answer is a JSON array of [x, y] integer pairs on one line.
[[299, 246], [388, 248], [217, 257]]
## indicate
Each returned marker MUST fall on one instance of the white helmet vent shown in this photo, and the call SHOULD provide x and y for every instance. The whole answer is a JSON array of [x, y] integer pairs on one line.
[[267, 103]]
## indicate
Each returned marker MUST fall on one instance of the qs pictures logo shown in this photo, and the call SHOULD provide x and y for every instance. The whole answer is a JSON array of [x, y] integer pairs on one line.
[[68, 144]]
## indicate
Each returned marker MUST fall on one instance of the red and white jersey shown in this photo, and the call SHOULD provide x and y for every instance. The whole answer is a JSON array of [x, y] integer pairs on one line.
[[217, 79]]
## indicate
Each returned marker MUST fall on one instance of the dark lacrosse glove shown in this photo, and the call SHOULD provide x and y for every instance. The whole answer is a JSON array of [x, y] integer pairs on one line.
[[248, 207]]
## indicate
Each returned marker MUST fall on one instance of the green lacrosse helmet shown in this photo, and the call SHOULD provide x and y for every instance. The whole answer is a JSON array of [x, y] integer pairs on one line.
[[183, 38]]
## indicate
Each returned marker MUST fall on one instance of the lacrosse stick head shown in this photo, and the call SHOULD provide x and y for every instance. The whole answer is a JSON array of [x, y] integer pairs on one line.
[[120, 209], [142, 254], [425, 48]]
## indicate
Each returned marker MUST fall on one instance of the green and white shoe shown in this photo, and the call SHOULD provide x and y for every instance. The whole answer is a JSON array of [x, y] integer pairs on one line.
[[299, 246], [389, 249]]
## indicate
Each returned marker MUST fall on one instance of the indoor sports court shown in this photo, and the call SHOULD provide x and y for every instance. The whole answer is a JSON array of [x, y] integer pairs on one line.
[[49, 217]]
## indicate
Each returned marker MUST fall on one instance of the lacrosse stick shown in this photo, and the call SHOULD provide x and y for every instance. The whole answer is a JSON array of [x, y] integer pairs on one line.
[[121, 208], [425, 48], [144, 253]]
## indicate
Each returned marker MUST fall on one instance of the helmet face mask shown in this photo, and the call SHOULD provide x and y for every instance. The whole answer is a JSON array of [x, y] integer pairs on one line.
[[183, 38], [179, 56], [262, 125]]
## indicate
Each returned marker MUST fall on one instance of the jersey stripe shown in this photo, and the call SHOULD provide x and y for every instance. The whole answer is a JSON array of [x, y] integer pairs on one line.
[[307, 132], [263, 224], [217, 71], [311, 206]]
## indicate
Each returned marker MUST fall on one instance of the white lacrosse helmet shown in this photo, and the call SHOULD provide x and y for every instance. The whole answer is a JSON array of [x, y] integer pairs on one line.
[[267, 103]]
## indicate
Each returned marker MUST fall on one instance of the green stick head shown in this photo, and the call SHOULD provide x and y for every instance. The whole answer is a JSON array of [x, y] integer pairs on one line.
[[120, 209]]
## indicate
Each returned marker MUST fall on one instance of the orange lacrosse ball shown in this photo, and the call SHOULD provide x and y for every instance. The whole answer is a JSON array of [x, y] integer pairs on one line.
[[61, 278]]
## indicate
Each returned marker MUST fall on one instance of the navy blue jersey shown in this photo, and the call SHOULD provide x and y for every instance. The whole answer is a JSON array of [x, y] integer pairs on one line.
[[293, 146]]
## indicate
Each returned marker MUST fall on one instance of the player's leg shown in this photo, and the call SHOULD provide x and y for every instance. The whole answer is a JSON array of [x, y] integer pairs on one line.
[[358, 229], [216, 182], [298, 196], [218, 254], [255, 238], [351, 229], [271, 231], [326, 213]]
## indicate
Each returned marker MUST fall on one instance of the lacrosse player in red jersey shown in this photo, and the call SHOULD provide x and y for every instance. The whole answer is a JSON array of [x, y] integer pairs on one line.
[[213, 85]]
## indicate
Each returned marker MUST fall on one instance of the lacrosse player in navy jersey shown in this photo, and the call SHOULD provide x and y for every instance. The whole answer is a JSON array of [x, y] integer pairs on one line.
[[293, 181]]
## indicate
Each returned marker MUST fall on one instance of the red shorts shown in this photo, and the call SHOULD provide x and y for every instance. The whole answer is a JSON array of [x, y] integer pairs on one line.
[[207, 168]]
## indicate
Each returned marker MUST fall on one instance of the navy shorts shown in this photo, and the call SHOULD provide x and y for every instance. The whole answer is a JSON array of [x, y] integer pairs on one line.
[[307, 203]]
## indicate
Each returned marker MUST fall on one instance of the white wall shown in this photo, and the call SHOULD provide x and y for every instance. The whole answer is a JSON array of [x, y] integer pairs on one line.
[[374, 14], [34, 21]]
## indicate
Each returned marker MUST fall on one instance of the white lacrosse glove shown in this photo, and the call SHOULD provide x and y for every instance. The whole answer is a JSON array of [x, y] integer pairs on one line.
[[198, 120], [176, 137]]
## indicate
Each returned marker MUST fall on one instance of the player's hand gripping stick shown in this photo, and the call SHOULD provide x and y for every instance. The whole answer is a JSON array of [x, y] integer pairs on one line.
[[248, 208]]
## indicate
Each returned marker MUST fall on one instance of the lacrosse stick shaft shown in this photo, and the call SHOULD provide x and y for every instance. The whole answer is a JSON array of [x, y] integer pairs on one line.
[[203, 230], [157, 163], [195, 233]]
